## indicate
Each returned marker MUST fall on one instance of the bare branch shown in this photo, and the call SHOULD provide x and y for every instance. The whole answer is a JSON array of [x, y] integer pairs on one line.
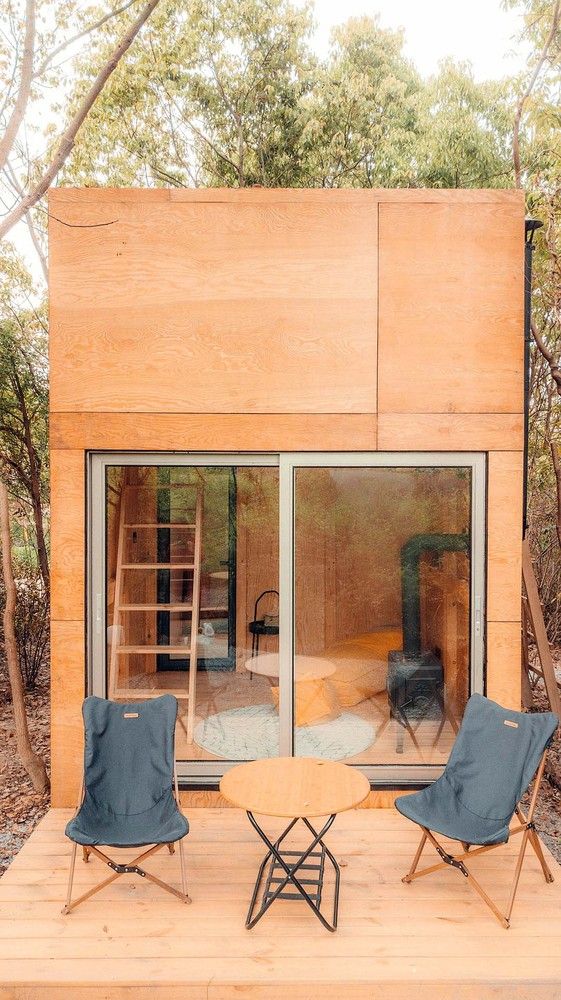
[[68, 138], [12, 177], [76, 38], [528, 91], [19, 108], [554, 368]]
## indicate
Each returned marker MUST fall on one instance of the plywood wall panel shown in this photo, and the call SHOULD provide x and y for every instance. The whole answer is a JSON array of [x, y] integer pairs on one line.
[[450, 431], [67, 534], [504, 675], [215, 431], [67, 694], [504, 535], [451, 308], [213, 309], [250, 321]]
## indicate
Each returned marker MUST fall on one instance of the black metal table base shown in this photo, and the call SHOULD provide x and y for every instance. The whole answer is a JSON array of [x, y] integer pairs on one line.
[[282, 873]]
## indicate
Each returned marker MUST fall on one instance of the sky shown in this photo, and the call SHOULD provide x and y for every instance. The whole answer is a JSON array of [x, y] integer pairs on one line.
[[480, 31]]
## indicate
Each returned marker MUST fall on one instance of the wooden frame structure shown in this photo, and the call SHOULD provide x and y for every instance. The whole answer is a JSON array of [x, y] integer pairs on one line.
[[135, 942], [532, 616], [308, 320]]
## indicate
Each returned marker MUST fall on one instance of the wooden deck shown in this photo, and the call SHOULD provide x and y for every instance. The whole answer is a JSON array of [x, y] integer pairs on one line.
[[432, 940]]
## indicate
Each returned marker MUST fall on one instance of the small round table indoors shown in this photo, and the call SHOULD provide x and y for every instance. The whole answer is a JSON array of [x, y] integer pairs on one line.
[[306, 668], [299, 789]]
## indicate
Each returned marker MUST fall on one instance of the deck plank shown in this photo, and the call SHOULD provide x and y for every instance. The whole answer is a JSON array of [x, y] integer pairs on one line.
[[428, 941]]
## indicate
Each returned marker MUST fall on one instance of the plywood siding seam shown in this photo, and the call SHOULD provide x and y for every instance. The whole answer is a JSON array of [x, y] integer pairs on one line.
[[428, 196]]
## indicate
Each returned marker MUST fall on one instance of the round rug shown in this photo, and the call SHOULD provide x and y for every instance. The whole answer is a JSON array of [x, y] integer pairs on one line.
[[253, 731]]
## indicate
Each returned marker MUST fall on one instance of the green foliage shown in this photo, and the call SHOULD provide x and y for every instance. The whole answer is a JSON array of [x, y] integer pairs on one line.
[[466, 131], [222, 94], [211, 94], [362, 115], [24, 409]]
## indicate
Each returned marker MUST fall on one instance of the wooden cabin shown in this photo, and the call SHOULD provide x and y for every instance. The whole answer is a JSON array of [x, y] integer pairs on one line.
[[287, 438]]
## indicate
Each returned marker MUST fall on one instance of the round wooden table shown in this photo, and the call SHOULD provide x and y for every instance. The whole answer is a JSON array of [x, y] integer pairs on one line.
[[306, 668], [313, 700], [298, 788]]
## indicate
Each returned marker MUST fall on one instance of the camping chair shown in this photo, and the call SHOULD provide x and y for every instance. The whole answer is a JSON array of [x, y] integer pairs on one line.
[[494, 758], [129, 795]]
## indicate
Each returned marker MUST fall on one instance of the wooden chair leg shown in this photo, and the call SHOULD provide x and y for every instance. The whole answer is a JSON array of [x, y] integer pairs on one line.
[[517, 873], [529, 835], [72, 904], [504, 921], [66, 908], [416, 859], [535, 842], [171, 848], [183, 874], [537, 847], [85, 855]]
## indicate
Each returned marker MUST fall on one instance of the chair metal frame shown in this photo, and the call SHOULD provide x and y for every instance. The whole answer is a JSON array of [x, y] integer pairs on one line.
[[526, 827], [131, 867]]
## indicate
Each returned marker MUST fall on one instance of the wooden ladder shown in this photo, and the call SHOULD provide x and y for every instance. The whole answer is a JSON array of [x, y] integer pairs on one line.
[[122, 607]]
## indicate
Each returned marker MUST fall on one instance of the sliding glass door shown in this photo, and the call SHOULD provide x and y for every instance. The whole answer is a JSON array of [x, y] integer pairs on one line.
[[383, 575], [326, 605]]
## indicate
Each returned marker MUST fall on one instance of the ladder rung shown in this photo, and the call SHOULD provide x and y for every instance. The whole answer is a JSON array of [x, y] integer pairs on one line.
[[155, 607], [168, 486], [154, 649], [161, 524], [166, 607], [140, 565], [133, 694]]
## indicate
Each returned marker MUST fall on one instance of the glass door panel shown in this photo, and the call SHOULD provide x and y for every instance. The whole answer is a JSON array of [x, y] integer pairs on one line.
[[381, 611], [190, 549], [331, 604]]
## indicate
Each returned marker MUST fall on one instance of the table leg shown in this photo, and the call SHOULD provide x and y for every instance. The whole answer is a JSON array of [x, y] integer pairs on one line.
[[290, 872]]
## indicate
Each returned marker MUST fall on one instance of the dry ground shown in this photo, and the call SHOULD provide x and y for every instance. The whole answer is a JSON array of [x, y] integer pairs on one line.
[[21, 807]]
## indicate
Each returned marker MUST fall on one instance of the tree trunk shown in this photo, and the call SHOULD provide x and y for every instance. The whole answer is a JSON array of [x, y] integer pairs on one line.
[[39, 529], [34, 484], [68, 138], [32, 763]]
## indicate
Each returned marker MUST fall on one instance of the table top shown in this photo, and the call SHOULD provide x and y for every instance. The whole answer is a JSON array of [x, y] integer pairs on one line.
[[306, 668], [294, 786]]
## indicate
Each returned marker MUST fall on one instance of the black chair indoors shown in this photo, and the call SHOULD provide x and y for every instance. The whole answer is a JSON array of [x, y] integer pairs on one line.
[[129, 794], [493, 761], [260, 626]]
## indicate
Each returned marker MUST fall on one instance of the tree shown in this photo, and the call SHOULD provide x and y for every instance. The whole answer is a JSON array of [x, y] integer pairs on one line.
[[464, 130], [210, 96], [23, 423], [362, 116], [26, 72], [33, 764], [536, 166]]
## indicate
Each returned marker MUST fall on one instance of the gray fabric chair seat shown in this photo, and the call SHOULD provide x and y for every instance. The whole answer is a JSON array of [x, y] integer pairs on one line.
[[128, 775], [494, 759], [94, 825], [439, 808]]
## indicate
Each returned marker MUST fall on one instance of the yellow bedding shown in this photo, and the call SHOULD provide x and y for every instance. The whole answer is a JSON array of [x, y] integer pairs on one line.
[[362, 664]]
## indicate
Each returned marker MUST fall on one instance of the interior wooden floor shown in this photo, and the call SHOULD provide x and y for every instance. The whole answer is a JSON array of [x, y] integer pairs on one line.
[[433, 940], [218, 691]]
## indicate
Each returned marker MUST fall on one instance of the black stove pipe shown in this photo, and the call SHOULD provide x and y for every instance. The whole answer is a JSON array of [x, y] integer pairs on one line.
[[530, 227], [411, 554]]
